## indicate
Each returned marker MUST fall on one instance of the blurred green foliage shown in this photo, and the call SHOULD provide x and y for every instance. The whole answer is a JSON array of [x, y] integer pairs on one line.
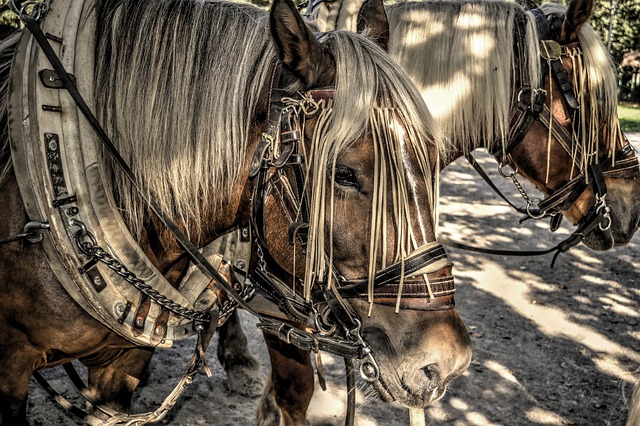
[[626, 25]]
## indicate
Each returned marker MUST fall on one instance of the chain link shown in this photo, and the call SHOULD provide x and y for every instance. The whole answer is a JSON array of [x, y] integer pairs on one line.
[[87, 244], [531, 202]]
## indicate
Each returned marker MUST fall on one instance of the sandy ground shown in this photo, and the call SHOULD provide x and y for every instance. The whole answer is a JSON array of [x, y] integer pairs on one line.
[[551, 346]]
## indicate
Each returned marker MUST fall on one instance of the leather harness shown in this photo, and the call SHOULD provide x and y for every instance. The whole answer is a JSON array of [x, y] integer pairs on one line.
[[530, 106], [329, 323]]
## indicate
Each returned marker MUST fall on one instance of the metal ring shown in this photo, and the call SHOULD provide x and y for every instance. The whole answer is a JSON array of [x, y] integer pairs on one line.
[[31, 231], [531, 203], [39, 9], [321, 322], [608, 226], [606, 216], [512, 174], [369, 371]]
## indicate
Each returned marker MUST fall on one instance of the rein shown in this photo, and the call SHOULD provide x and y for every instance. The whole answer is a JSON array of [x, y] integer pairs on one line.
[[531, 106]]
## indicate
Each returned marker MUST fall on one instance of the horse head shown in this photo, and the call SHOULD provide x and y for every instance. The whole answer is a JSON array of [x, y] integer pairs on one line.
[[576, 153], [347, 210]]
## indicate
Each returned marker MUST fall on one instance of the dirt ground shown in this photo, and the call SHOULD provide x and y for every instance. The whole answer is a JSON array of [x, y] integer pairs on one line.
[[550, 346]]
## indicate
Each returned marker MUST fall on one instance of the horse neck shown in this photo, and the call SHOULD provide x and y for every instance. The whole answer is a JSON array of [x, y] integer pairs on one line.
[[235, 210]]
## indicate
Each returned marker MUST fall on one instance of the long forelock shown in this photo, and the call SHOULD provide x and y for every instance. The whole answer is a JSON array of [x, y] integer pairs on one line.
[[372, 96], [177, 97], [594, 80], [460, 55]]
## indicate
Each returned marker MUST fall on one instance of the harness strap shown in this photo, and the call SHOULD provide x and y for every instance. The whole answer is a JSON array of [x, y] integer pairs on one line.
[[561, 134], [350, 415], [312, 342], [278, 292], [116, 418], [565, 196], [429, 258], [522, 117], [562, 77]]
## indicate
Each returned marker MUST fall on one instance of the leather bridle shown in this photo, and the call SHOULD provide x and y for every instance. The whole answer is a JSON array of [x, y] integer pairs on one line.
[[530, 106], [278, 171]]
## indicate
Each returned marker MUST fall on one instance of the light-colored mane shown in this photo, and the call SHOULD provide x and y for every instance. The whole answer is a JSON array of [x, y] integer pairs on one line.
[[182, 88], [178, 96], [460, 55], [372, 94]]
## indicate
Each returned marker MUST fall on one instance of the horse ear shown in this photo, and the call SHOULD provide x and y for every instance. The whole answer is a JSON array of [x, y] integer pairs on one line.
[[578, 13], [300, 52], [373, 17]]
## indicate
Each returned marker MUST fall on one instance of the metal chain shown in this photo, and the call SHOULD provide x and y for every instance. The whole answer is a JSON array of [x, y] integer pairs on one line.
[[86, 242], [530, 201]]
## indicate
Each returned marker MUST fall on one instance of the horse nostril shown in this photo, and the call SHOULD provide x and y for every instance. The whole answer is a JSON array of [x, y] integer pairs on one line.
[[432, 374]]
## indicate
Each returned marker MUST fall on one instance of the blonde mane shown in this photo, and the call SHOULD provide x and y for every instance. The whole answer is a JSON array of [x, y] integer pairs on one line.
[[460, 55], [185, 126], [177, 95]]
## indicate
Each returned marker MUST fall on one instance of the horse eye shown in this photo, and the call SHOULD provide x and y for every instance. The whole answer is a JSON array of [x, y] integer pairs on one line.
[[345, 176]]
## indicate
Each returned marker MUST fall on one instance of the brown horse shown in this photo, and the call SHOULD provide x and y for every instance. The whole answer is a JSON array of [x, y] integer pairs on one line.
[[333, 175]]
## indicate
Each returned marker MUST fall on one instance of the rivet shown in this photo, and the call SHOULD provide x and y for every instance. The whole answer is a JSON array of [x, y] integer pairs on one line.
[[139, 322], [52, 78], [119, 308], [159, 330], [240, 264], [72, 211], [245, 233], [97, 281]]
